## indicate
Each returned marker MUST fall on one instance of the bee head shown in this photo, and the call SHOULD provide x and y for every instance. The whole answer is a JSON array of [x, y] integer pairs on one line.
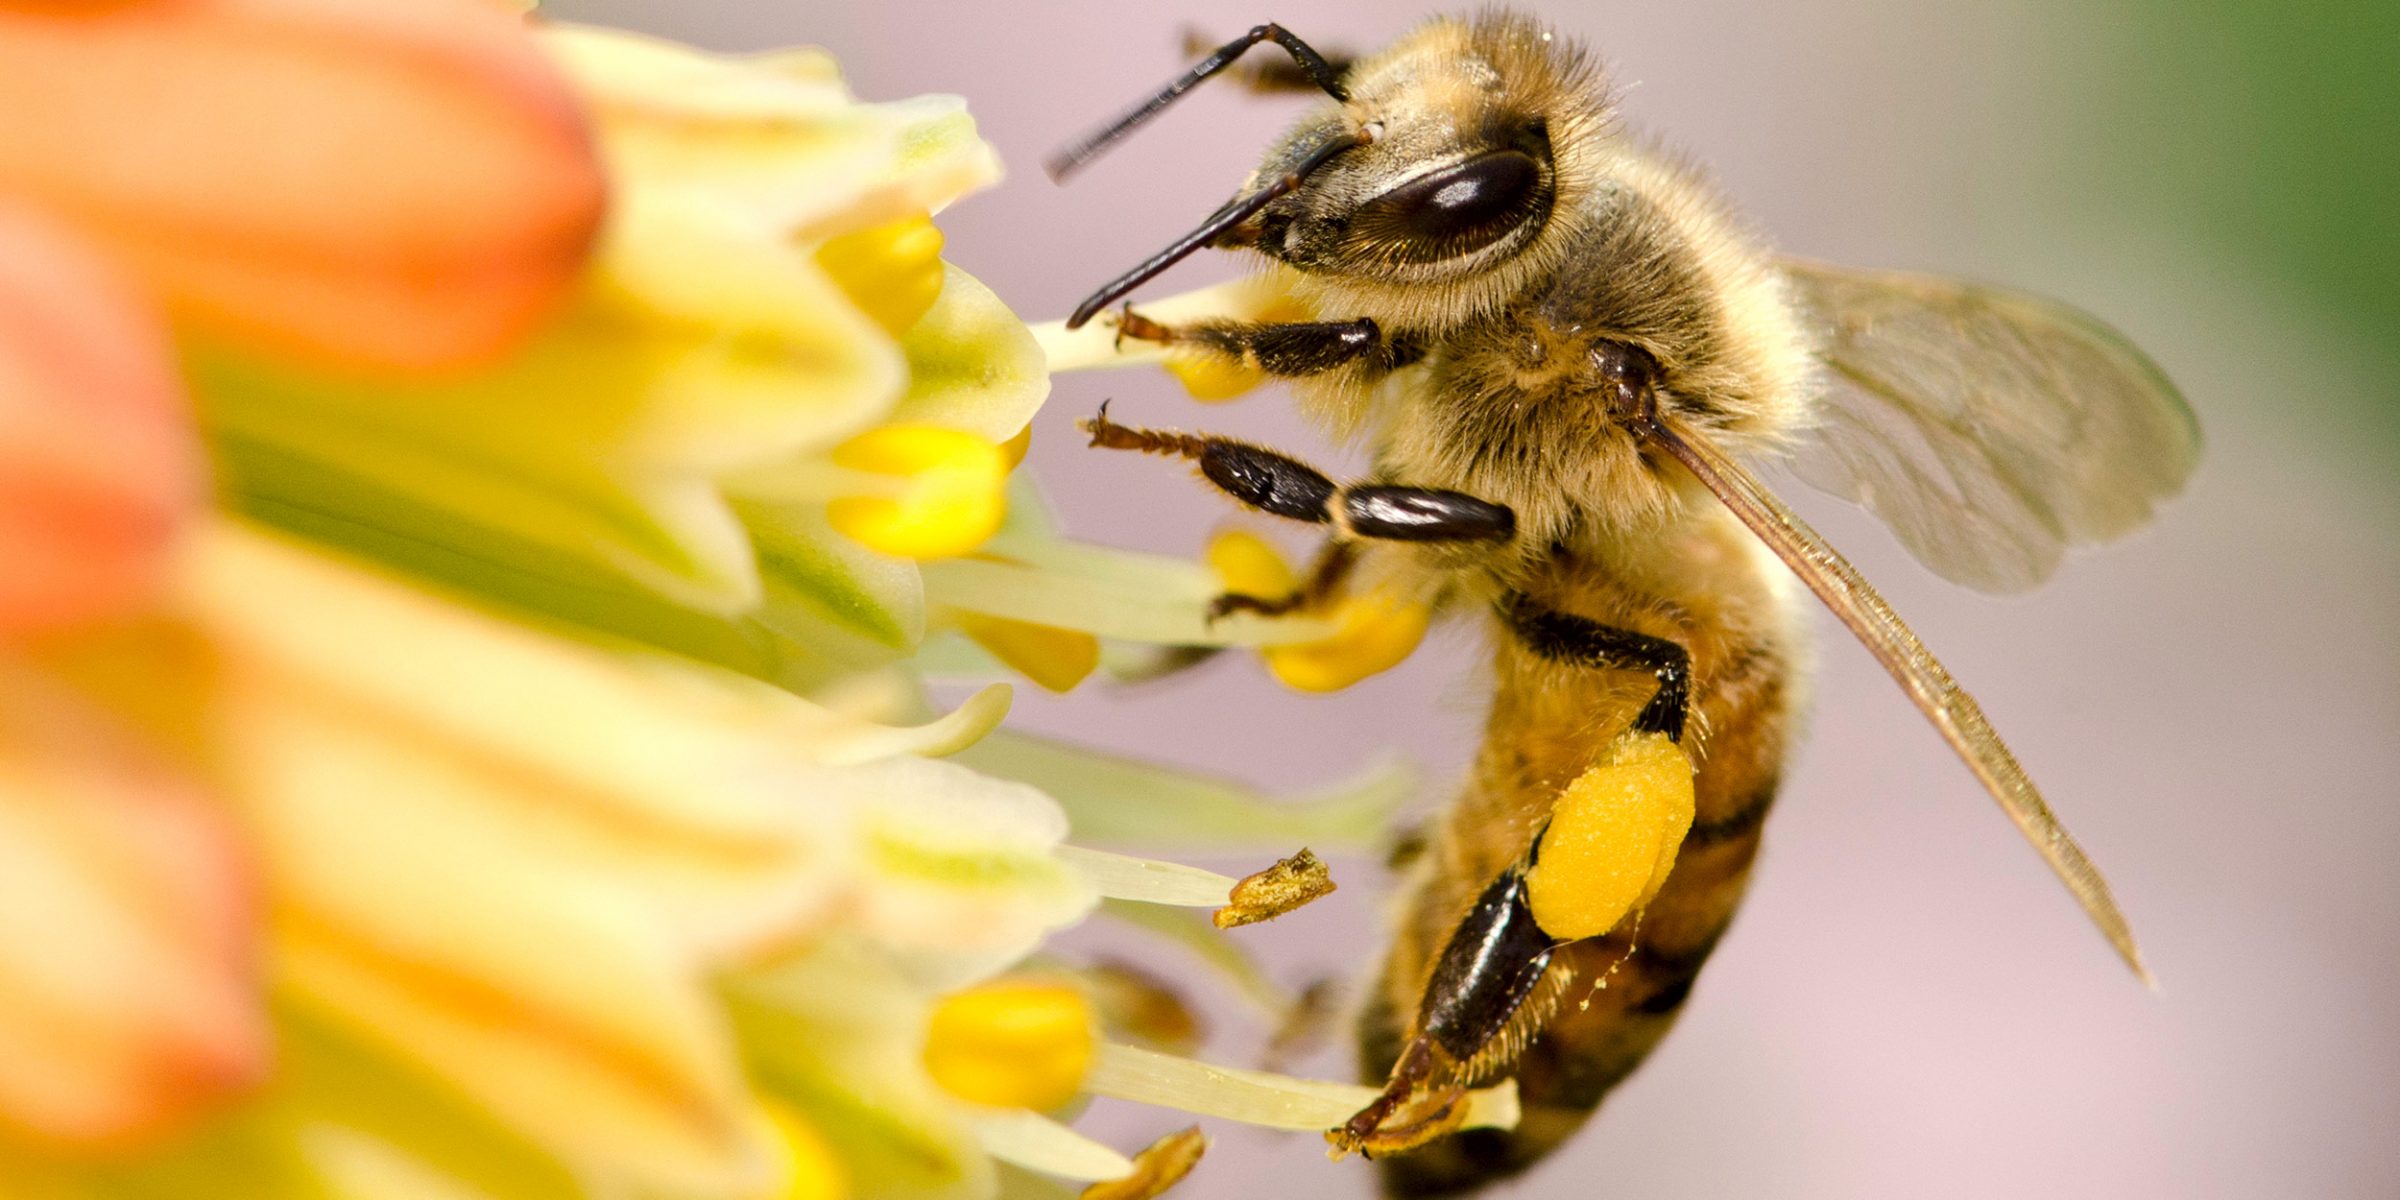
[[1475, 141], [1438, 177]]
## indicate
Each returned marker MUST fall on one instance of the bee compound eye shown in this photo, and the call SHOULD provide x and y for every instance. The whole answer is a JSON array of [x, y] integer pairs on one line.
[[1457, 209]]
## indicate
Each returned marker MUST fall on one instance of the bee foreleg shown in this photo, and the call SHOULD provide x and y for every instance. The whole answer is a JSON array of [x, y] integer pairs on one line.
[[1281, 348], [1567, 638], [1272, 75], [1286, 487]]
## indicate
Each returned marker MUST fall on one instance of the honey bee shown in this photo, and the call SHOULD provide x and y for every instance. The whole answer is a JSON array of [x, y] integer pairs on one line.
[[1560, 346]]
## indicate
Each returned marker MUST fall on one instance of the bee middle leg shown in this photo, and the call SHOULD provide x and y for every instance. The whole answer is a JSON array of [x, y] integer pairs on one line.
[[1334, 561], [1286, 487]]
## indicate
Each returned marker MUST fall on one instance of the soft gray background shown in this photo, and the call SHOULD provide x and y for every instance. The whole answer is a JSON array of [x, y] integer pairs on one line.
[[1909, 1006]]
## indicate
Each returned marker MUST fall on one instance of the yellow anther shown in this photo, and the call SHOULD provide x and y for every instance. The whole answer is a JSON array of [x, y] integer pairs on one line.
[[1374, 631], [1249, 565], [1283, 886], [1613, 837], [1057, 659], [893, 272], [816, 1171], [1213, 378], [1012, 1043], [947, 497]]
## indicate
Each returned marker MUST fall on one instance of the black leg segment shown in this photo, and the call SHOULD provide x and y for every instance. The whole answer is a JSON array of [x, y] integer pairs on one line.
[[1489, 967], [1564, 637], [1285, 486], [1407, 514], [1283, 348], [1267, 481]]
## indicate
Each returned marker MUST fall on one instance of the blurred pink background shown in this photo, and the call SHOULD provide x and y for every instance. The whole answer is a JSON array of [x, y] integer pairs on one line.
[[1909, 1006]]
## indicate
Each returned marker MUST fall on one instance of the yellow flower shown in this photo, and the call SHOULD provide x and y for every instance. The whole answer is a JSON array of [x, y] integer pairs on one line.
[[522, 784], [664, 462]]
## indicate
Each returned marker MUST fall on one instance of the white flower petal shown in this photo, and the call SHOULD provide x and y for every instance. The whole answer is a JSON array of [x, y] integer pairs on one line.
[[1037, 1143]]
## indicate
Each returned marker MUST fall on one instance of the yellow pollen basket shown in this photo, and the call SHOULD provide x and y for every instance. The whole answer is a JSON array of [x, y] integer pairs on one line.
[[1613, 837], [950, 498], [1012, 1043], [892, 272]]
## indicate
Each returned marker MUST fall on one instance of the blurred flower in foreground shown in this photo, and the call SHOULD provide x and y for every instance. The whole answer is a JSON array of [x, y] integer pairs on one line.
[[394, 829]]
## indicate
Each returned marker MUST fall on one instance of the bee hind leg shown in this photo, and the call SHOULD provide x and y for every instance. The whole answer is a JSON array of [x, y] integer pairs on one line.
[[1490, 968], [1567, 638]]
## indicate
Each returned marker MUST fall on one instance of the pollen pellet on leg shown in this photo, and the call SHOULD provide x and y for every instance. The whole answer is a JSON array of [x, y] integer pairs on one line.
[[1212, 378], [1612, 838]]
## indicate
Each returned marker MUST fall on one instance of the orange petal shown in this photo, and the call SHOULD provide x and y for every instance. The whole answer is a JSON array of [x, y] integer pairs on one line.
[[97, 458], [127, 1001], [395, 183]]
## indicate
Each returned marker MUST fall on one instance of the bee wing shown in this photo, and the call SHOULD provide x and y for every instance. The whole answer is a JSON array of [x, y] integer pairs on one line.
[[1989, 429], [1948, 706]]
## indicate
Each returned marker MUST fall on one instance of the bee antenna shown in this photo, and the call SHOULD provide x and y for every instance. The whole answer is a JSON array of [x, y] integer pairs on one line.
[[1322, 73], [1234, 212]]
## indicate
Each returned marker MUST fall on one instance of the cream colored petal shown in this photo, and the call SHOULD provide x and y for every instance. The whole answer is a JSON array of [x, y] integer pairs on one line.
[[336, 1122], [773, 140], [1037, 1143], [1113, 801], [127, 998], [962, 879], [695, 351], [672, 783], [522, 937], [839, 1033], [972, 364], [814, 575]]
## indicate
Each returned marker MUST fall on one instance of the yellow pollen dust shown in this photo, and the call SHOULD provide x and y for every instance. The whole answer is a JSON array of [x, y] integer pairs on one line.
[[892, 272], [1612, 838], [1012, 1043], [1213, 378], [950, 500]]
